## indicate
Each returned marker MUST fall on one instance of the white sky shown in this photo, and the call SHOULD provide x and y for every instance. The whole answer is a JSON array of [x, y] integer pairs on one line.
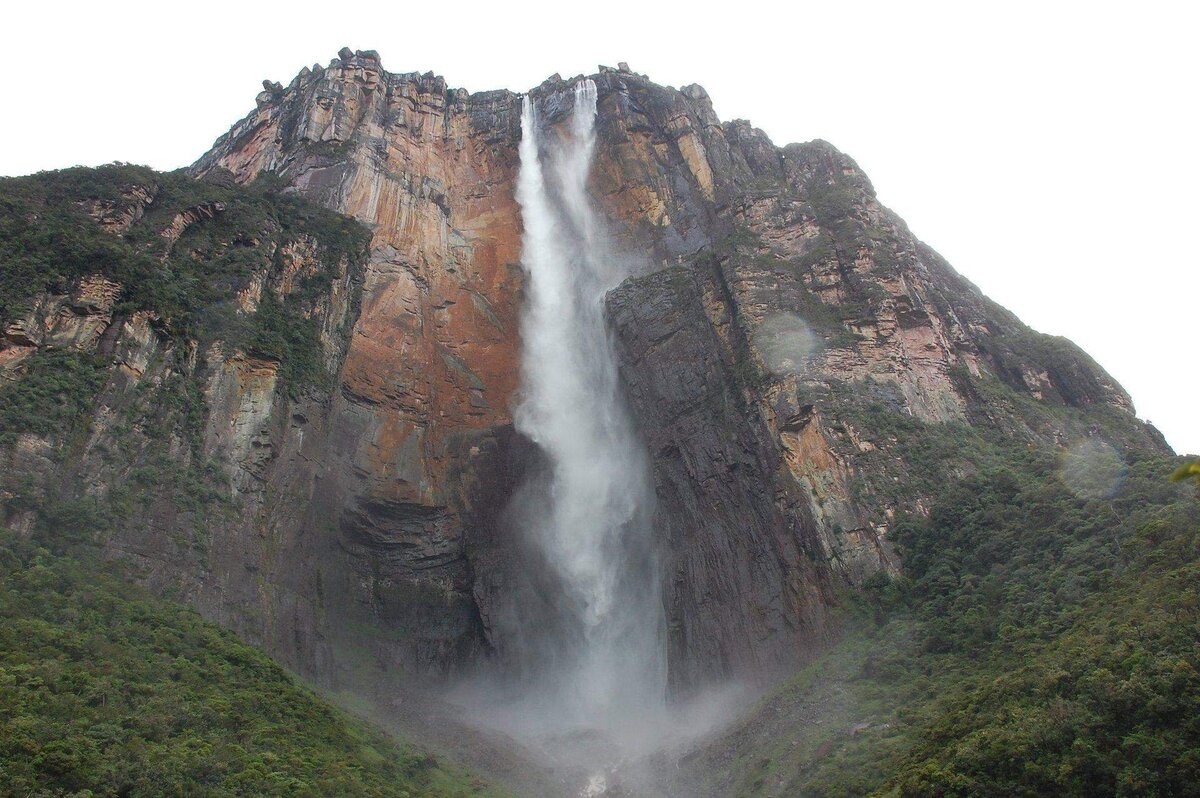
[[1048, 150]]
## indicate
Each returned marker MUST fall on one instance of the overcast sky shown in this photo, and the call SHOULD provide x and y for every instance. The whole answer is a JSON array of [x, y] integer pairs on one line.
[[1048, 150]]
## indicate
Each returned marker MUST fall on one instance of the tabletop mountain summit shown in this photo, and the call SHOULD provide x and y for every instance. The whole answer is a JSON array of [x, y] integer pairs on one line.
[[297, 387]]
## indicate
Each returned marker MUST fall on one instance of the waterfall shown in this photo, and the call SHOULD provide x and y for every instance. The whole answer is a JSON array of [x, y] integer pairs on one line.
[[577, 619], [603, 661]]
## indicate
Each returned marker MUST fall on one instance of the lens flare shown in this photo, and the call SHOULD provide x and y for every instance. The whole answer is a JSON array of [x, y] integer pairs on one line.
[[786, 342], [1092, 469]]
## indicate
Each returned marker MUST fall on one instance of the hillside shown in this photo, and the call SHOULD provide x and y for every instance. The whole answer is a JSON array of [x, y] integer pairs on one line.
[[1042, 641], [107, 690]]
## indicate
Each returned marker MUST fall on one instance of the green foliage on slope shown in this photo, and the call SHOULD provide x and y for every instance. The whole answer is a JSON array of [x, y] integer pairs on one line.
[[1069, 635], [58, 388], [149, 461], [1040, 643], [49, 239], [105, 690]]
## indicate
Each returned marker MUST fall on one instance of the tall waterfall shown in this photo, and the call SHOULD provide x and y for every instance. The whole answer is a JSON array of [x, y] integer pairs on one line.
[[603, 661]]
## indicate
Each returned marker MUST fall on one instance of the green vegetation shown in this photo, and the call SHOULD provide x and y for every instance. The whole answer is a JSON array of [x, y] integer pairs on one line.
[[1039, 643], [148, 458], [833, 203], [1092, 634], [820, 250], [292, 341], [833, 200], [57, 390], [49, 239], [105, 690], [912, 459]]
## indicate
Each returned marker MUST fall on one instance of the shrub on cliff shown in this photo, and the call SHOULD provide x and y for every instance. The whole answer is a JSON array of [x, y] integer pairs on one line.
[[49, 240]]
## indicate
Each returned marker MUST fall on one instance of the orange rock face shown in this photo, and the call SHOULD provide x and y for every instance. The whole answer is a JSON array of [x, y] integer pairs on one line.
[[755, 478], [435, 347]]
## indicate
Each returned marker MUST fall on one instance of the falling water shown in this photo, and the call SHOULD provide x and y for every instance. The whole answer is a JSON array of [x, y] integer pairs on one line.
[[578, 621], [591, 523]]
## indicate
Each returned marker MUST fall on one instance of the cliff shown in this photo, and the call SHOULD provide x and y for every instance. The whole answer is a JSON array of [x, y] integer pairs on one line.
[[783, 337]]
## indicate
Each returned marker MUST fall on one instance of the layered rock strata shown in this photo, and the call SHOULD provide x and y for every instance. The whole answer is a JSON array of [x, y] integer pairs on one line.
[[768, 293]]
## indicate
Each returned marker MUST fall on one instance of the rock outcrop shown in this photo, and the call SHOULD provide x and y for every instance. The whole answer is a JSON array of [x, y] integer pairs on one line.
[[770, 296]]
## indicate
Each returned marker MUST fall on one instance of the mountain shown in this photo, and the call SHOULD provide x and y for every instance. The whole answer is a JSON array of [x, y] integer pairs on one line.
[[280, 386], [754, 471]]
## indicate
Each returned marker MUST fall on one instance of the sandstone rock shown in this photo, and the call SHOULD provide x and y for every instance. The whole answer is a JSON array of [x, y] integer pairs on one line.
[[185, 219], [754, 465], [118, 216], [768, 287], [719, 479], [241, 396]]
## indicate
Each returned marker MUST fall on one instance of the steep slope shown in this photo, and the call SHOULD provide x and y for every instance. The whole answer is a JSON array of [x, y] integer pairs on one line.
[[168, 354], [106, 690], [1042, 642], [774, 270]]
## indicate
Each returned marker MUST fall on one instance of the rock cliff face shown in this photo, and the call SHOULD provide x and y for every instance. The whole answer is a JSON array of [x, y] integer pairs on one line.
[[198, 339], [772, 305]]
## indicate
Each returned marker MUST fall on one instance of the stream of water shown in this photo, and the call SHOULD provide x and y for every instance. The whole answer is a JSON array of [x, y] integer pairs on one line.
[[594, 525]]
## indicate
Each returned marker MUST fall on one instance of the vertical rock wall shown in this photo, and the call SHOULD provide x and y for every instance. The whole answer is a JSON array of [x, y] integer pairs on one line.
[[373, 530]]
